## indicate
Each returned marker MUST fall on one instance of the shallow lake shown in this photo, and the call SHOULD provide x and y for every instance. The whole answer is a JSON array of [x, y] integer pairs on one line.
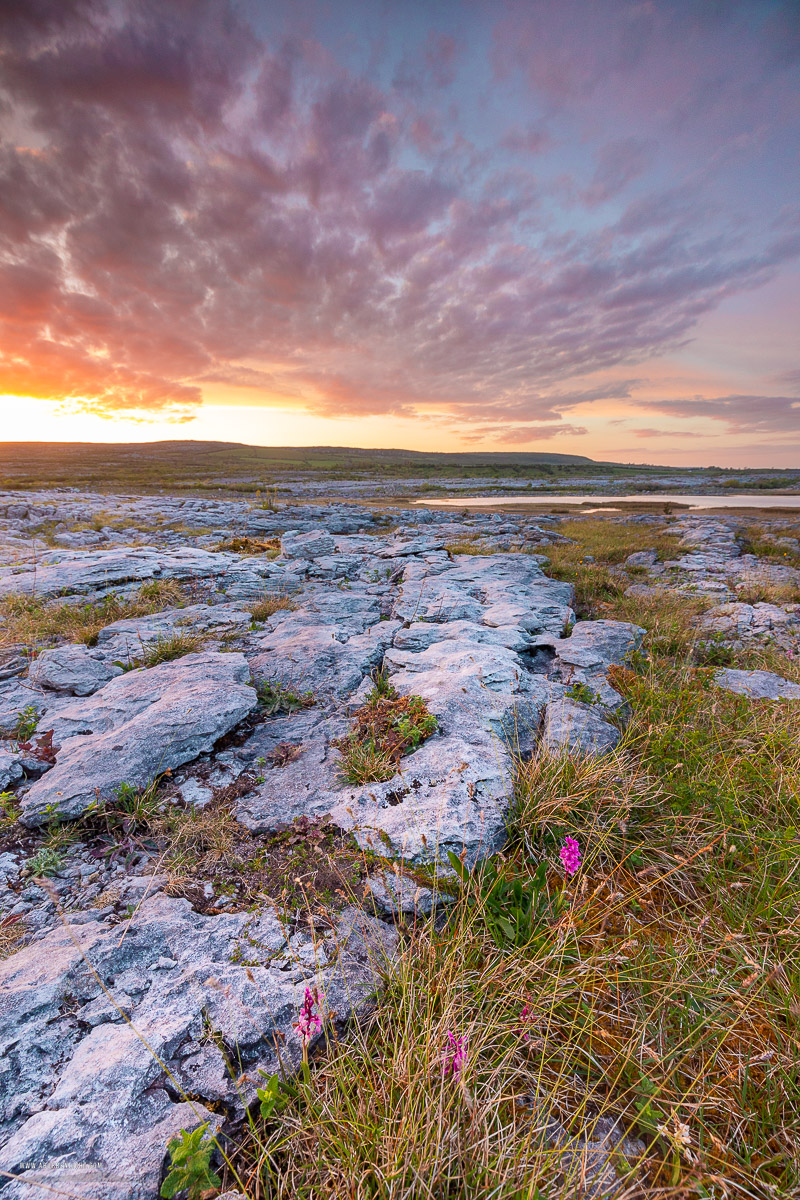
[[746, 500]]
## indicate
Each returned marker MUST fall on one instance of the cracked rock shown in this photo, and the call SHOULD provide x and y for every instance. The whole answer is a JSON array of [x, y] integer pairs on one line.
[[139, 725]]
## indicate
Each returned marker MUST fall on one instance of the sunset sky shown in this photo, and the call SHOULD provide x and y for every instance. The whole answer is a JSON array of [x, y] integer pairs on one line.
[[568, 225]]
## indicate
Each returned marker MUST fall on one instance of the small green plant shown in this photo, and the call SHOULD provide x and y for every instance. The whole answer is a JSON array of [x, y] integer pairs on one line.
[[45, 861], [25, 725], [190, 1166], [713, 652], [386, 727], [274, 698], [9, 810], [381, 686], [273, 1097], [582, 693], [513, 908]]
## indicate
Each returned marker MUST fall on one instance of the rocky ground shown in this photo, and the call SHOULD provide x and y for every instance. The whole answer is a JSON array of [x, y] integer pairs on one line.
[[199, 817]]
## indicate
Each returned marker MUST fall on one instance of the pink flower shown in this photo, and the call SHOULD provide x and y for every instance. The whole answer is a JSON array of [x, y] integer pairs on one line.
[[310, 1022], [525, 1017], [455, 1056], [570, 856]]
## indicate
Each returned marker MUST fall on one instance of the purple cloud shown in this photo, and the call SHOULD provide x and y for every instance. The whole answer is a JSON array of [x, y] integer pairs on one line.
[[741, 414], [188, 198]]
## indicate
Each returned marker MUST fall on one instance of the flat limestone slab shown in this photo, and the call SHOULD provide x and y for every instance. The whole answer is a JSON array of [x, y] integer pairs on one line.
[[139, 725], [758, 685]]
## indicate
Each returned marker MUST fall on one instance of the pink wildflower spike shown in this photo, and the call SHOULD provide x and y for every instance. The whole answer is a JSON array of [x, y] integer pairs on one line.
[[455, 1056], [524, 1018], [310, 1022], [570, 856]]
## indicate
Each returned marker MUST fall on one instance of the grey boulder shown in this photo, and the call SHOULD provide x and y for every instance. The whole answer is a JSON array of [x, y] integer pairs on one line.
[[72, 669], [642, 558], [317, 543], [89, 1101], [758, 685], [11, 769], [572, 726], [139, 725]]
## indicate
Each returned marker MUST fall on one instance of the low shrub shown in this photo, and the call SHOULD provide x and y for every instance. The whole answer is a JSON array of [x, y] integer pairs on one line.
[[385, 728]]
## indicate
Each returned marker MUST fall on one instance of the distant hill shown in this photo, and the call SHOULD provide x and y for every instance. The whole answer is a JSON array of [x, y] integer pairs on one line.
[[199, 465]]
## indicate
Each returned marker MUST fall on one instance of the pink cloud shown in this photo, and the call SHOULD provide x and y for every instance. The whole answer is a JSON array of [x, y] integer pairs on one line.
[[186, 200]]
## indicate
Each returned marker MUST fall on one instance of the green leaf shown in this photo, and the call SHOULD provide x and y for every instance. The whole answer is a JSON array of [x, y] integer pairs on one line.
[[190, 1165], [458, 866], [269, 1096]]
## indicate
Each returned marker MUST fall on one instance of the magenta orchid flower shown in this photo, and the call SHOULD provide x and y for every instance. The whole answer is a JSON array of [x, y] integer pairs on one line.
[[570, 854], [455, 1055], [310, 1022]]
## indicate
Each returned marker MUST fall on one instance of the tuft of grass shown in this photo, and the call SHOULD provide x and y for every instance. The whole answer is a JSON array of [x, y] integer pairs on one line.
[[760, 590], [167, 648], [596, 587], [9, 811], [365, 761], [33, 622], [472, 544], [241, 544], [12, 931], [270, 603]]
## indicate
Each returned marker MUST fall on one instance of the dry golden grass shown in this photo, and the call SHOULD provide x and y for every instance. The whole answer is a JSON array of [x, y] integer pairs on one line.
[[167, 648], [32, 622], [760, 590], [270, 603], [611, 541], [12, 931]]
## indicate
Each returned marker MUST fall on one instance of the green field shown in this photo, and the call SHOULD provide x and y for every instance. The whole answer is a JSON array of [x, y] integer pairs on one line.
[[209, 466]]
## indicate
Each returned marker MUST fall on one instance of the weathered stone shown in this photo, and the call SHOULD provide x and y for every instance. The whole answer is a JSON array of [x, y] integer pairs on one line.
[[314, 544], [402, 548], [759, 685], [11, 769], [572, 726], [398, 895], [139, 725], [738, 621], [642, 558], [324, 659], [303, 786], [91, 1110], [73, 669]]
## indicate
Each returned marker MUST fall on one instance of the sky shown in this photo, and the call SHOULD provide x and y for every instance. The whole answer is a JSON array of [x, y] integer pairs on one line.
[[432, 224]]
